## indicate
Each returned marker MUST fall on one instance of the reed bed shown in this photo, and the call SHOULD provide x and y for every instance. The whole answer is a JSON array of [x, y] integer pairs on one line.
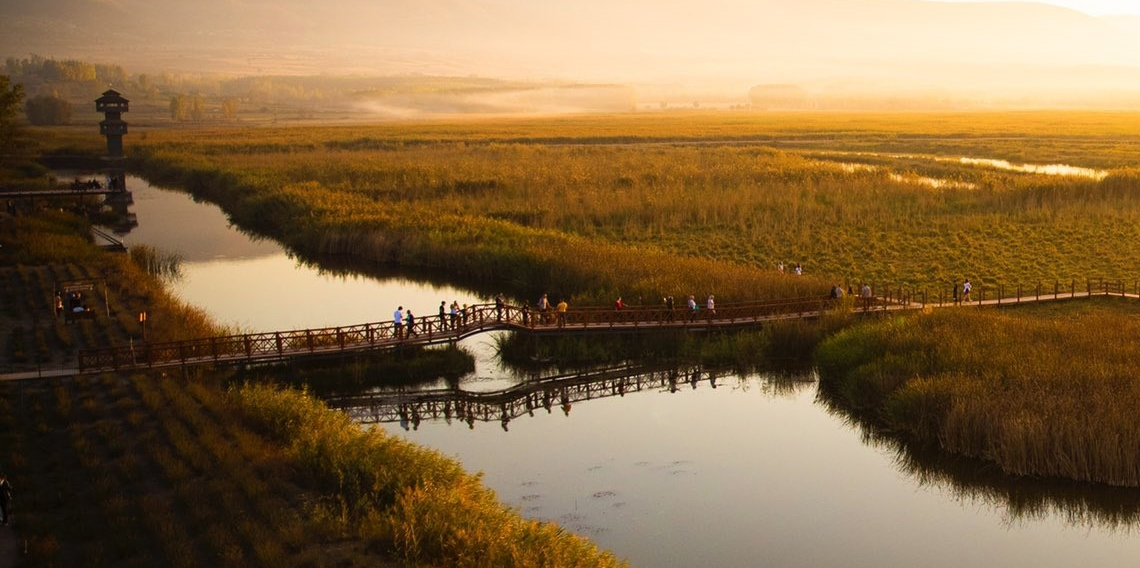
[[669, 205], [422, 503], [1051, 397]]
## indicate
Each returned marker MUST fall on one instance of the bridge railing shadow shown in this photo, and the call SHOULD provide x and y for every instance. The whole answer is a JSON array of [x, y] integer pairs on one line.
[[409, 407]]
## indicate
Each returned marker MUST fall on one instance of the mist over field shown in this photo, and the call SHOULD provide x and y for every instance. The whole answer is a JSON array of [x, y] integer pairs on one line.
[[812, 53]]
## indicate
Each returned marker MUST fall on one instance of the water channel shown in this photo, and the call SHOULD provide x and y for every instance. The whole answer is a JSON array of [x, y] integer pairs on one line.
[[731, 471]]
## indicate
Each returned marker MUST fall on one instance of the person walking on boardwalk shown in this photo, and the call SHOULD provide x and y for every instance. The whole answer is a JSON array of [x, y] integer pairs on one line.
[[5, 499], [411, 323], [443, 315], [669, 308], [692, 308], [499, 303], [398, 322], [711, 305], [865, 294], [544, 309], [966, 287], [562, 307], [455, 314], [526, 314]]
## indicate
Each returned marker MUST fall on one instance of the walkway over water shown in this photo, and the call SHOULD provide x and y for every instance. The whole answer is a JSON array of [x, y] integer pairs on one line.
[[272, 347], [260, 348]]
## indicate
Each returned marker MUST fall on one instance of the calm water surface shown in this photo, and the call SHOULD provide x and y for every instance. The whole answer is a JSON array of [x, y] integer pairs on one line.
[[753, 472], [254, 284]]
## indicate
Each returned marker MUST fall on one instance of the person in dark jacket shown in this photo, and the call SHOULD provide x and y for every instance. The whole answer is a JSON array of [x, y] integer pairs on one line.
[[5, 498]]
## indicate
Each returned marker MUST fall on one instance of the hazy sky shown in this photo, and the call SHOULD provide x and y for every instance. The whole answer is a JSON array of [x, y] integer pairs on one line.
[[980, 49], [1091, 7]]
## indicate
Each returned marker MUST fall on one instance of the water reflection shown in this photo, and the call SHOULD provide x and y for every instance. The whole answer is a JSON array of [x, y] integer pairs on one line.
[[409, 407], [1023, 499], [1047, 169], [255, 285], [753, 473], [937, 183]]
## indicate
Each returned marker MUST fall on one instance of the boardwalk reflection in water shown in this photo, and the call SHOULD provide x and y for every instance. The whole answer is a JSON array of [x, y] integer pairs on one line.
[[409, 407]]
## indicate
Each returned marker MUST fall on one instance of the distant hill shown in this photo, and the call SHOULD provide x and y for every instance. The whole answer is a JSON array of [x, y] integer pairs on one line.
[[1005, 49]]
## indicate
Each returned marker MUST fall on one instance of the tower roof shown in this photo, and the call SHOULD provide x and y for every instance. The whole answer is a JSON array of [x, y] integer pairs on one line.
[[111, 96]]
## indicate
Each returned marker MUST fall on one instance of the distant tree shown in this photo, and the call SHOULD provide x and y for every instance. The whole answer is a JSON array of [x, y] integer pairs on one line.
[[45, 110], [10, 98], [179, 107], [229, 108], [197, 108]]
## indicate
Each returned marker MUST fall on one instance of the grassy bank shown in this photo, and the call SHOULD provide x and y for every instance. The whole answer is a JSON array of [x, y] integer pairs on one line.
[[43, 251], [1047, 391], [403, 496]]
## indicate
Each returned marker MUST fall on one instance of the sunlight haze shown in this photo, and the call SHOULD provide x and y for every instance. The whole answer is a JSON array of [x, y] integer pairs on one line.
[[1090, 7], [824, 52]]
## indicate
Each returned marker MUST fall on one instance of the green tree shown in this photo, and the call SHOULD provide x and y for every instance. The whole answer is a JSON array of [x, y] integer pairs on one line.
[[45, 110], [10, 98]]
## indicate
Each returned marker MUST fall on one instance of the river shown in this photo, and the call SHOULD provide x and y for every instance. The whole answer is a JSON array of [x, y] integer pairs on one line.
[[742, 471]]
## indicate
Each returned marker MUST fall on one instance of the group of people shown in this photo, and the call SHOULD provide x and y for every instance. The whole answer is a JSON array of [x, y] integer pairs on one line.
[[405, 323], [451, 317], [74, 305], [548, 313], [694, 309], [865, 293], [797, 269], [966, 288]]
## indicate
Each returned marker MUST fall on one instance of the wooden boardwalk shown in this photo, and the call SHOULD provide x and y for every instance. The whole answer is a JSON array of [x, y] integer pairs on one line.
[[262, 348], [256, 348]]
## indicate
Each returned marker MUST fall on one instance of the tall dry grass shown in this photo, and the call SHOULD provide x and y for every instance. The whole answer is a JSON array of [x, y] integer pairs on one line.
[[1037, 396], [407, 496], [652, 206]]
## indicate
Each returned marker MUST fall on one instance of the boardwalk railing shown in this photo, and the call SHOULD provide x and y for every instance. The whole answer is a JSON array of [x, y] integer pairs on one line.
[[281, 345], [435, 329], [1001, 294]]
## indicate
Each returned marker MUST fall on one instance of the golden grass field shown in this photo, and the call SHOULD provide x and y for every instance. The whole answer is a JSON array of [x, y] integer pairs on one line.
[[649, 205], [641, 205]]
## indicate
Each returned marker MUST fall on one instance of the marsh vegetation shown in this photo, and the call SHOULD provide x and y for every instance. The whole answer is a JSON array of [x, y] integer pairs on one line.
[[642, 207], [649, 205]]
